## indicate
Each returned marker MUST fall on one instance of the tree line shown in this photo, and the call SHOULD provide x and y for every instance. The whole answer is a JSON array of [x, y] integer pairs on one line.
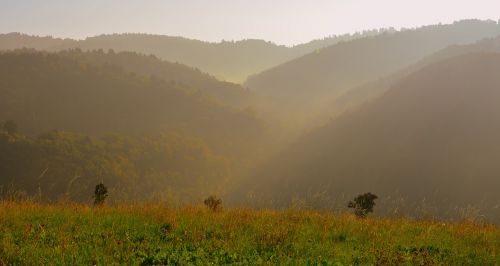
[[62, 165]]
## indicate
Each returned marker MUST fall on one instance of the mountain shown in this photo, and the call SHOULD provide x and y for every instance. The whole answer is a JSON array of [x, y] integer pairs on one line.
[[232, 61], [366, 92], [45, 91], [15, 40], [429, 144], [226, 60], [223, 92], [327, 73]]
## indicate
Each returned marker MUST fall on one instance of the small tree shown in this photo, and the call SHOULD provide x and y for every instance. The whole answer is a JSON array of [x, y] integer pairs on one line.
[[100, 194], [363, 204], [213, 203]]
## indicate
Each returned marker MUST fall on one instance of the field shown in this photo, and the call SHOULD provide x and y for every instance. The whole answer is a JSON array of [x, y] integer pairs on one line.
[[70, 234]]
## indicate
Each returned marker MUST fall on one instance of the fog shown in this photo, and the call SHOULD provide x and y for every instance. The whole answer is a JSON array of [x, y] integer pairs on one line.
[[410, 115]]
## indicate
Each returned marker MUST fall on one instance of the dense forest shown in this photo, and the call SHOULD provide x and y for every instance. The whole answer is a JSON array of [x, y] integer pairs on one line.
[[45, 91], [60, 165], [225, 93]]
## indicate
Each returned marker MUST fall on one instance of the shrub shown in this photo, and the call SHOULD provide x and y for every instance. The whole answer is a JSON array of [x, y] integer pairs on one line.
[[363, 204], [213, 203], [100, 194]]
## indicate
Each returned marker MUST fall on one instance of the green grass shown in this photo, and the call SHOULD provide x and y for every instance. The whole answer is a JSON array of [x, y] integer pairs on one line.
[[67, 234]]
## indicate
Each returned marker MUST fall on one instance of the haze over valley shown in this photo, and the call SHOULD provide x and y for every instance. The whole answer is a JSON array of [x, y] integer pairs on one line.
[[408, 113]]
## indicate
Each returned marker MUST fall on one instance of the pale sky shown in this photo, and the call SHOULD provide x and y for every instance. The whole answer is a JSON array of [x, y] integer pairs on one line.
[[280, 21]]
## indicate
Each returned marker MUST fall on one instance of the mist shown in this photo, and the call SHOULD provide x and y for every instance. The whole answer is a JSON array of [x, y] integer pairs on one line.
[[264, 105]]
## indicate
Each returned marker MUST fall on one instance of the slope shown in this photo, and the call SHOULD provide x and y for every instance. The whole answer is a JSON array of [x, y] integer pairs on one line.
[[43, 91], [224, 92], [227, 60], [366, 92], [327, 73], [432, 137]]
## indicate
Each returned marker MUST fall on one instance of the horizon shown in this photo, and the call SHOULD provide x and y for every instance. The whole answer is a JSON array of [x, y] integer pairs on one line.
[[241, 40], [286, 23]]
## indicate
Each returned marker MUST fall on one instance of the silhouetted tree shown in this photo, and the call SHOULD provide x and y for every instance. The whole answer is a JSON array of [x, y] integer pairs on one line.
[[100, 194], [213, 203], [363, 204]]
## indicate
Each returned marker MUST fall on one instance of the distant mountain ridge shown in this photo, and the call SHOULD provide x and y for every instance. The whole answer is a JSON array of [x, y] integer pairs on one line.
[[15, 40], [358, 96], [333, 70], [227, 60]]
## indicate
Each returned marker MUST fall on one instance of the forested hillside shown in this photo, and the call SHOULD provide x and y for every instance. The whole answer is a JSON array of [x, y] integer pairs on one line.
[[42, 92], [329, 72], [429, 143], [14, 40], [66, 166], [225, 93], [227, 60], [358, 96]]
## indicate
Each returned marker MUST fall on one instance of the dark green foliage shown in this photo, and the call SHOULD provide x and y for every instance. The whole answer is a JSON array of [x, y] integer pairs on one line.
[[363, 204], [213, 203], [100, 194]]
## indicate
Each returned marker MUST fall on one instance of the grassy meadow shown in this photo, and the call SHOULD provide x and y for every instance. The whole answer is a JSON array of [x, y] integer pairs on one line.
[[70, 234]]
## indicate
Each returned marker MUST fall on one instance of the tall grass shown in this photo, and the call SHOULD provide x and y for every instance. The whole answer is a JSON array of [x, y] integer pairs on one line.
[[72, 234]]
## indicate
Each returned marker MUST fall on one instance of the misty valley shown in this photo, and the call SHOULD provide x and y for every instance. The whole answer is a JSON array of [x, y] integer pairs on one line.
[[400, 126]]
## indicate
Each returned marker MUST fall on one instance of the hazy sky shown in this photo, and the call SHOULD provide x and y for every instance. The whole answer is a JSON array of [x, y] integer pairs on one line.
[[280, 21]]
